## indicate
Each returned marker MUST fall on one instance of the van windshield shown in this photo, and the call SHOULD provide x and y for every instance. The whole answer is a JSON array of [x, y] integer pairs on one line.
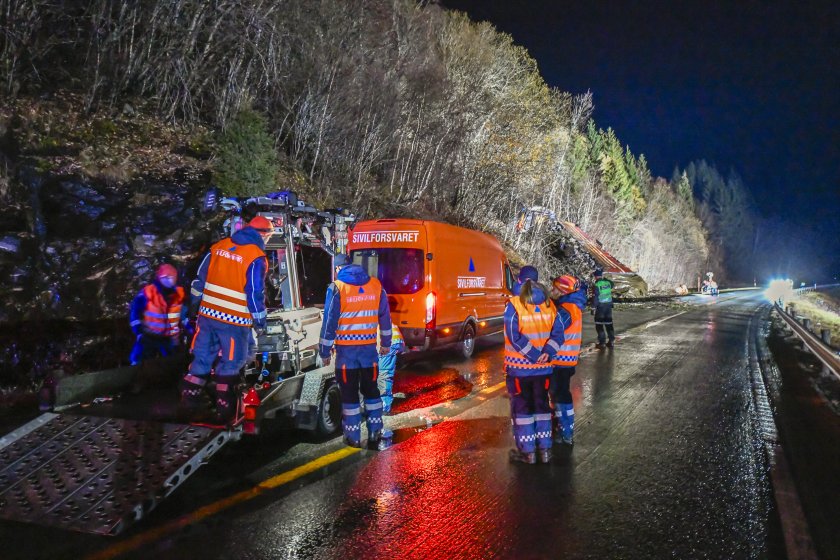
[[401, 271]]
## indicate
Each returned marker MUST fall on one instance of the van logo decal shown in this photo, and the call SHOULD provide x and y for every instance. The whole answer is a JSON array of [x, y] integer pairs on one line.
[[361, 290], [386, 236], [472, 265], [471, 281]]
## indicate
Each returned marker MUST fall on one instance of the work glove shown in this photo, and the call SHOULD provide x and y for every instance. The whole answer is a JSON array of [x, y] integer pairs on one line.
[[259, 328], [192, 314], [320, 361], [383, 350]]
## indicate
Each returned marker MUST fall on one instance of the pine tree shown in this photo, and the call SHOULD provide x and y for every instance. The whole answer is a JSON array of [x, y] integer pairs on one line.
[[246, 162]]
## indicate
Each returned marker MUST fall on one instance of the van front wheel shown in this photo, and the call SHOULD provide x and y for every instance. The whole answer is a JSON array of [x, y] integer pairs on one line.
[[467, 344]]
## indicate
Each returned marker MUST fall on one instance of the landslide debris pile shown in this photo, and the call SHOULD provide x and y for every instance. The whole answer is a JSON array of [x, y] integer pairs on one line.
[[92, 205]]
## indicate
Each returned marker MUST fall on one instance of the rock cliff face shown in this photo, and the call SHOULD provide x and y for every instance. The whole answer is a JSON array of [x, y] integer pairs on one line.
[[73, 253]]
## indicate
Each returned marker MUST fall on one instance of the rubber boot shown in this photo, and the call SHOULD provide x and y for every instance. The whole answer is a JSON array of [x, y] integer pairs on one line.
[[567, 423], [226, 398], [373, 411], [557, 425], [193, 397], [351, 424], [525, 437], [542, 426], [518, 456]]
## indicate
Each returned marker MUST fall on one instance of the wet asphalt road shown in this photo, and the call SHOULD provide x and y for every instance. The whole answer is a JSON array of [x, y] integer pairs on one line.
[[668, 463]]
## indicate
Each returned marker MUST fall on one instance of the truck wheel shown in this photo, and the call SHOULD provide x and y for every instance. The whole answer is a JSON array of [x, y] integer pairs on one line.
[[329, 411], [467, 344]]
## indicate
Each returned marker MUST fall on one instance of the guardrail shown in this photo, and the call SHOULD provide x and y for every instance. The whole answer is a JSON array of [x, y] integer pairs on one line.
[[820, 349]]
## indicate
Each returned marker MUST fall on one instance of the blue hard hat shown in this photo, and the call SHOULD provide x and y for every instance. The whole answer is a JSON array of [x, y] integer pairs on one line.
[[528, 272], [341, 260], [598, 272]]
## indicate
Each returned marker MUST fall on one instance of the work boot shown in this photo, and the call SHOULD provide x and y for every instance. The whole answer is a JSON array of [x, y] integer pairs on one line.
[[610, 344], [517, 456], [567, 423], [226, 398], [373, 440], [557, 426], [193, 396], [351, 443], [351, 424], [600, 346], [544, 456]]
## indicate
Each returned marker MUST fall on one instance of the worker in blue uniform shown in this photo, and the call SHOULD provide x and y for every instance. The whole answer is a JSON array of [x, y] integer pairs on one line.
[[387, 369], [602, 301], [356, 306], [534, 333], [229, 290], [157, 315]]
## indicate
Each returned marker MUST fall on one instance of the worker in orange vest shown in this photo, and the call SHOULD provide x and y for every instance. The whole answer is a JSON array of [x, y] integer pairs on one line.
[[157, 316], [356, 305], [567, 294], [229, 288], [533, 335]]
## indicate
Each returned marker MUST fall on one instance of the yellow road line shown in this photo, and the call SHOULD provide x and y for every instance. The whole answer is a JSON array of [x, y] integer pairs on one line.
[[157, 533], [490, 389]]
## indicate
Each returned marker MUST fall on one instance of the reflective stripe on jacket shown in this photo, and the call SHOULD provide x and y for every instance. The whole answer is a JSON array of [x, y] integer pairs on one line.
[[358, 320], [535, 323], [223, 297], [396, 335], [162, 316], [570, 349]]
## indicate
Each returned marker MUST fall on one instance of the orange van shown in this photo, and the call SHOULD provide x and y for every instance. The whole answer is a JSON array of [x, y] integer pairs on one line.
[[445, 284]]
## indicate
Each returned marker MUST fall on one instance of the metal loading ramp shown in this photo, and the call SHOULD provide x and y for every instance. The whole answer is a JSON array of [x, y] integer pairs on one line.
[[97, 475]]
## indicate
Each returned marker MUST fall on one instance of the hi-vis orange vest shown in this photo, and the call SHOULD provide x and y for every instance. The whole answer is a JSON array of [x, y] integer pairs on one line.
[[224, 290], [359, 317], [570, 350], [162, 317], [536, 326]]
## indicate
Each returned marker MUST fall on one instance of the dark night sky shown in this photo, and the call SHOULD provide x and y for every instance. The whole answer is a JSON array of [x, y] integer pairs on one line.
[[749, 86]]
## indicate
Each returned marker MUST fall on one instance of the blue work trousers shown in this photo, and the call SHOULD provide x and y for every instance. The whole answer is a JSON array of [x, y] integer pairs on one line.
[[351, 381], [560, 382], [385, 381], [215, 339], [148, 346], [604, 322], [530, 411]]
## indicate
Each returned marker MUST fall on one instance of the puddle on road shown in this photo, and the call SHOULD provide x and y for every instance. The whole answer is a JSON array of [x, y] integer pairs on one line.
[[425, 390]]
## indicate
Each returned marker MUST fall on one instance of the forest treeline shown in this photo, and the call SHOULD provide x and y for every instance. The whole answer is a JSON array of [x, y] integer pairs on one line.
[[389, 106]]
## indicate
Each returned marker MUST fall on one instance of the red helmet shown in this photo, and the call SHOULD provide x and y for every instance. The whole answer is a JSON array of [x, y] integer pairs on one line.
[[261, 224], [565, 284], [167, 271]]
